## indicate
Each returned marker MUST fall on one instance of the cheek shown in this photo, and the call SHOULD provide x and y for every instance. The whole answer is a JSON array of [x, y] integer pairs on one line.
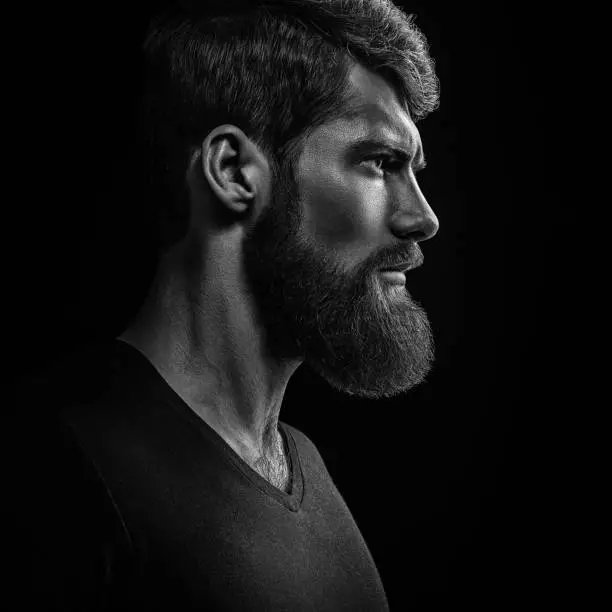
[[343, 212]]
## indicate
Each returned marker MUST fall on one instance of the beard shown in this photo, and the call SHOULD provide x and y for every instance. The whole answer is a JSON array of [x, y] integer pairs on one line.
[[363, 336]]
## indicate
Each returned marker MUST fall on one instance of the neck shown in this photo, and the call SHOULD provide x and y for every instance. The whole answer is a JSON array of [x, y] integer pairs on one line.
[[204, 341]]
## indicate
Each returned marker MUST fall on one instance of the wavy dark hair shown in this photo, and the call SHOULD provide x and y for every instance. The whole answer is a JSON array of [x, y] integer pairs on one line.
[[277, 69]]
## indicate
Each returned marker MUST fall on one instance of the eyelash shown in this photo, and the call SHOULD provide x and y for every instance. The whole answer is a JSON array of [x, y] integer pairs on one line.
[[395, 165]]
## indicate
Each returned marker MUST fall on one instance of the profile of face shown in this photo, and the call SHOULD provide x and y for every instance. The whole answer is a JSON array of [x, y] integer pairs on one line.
[[312, 262]]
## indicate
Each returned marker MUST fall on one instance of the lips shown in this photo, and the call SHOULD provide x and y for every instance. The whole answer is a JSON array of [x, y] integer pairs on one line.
[[394, 276]]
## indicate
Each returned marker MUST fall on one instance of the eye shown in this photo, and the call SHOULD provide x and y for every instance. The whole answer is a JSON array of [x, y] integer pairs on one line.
[[389, 163]]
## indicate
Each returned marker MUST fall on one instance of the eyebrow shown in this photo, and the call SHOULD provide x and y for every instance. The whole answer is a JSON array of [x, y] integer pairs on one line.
[[366, 144]]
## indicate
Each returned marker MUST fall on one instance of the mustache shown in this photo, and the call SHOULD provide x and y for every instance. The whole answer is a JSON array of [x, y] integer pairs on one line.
[[407, 260]]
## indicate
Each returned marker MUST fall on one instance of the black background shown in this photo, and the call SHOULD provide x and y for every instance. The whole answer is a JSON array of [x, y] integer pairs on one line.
[[466, 488]]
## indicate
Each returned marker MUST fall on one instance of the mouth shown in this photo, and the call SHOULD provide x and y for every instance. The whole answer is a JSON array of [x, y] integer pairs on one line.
[[397, 273]]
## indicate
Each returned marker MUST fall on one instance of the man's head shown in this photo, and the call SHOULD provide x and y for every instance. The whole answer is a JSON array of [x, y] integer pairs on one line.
[[297, 121]]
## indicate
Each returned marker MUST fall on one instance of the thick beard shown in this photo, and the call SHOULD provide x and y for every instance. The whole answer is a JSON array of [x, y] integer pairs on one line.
[[365, 338]]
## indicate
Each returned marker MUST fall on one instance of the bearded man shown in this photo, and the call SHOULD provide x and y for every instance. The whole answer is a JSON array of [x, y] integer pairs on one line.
[[281, 159]]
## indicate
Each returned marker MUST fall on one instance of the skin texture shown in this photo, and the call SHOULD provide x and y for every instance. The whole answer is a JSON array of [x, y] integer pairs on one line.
[[273, 274]]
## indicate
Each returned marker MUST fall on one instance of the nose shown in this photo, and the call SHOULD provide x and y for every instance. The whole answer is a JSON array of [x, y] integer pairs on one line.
[[415, 219]]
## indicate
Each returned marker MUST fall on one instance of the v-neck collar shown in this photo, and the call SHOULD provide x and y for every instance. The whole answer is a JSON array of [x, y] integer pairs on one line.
[[291, 500]]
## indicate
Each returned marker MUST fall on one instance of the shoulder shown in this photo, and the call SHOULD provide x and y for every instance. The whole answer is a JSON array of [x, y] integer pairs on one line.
[[300, 438], [306, 448]]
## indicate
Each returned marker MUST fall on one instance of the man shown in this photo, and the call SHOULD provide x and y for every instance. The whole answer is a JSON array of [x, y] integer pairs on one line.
[[286, 241]]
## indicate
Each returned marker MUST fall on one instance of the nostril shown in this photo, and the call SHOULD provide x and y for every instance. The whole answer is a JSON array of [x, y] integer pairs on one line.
[[416, 235]]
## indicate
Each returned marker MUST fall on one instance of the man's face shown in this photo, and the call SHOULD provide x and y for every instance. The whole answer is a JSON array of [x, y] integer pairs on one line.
[[313, 259]]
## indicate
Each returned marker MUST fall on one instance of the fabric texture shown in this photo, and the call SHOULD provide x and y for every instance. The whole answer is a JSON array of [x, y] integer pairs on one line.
[[138, 504]]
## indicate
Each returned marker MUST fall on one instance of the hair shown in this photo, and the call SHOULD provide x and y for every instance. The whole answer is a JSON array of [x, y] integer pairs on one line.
[[277, 69]]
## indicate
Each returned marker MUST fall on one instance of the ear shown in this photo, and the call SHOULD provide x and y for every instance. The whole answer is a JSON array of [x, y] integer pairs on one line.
[[235, 169]]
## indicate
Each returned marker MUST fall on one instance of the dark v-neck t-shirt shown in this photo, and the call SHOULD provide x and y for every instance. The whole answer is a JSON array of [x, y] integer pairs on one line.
[[146, 507]]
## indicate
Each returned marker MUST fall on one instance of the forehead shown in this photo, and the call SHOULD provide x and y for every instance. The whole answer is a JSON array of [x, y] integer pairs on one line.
[[375, 104], [373, 110]]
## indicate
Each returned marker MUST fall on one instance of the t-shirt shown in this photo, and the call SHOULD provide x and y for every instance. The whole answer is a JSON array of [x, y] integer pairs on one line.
[[138, 504]]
